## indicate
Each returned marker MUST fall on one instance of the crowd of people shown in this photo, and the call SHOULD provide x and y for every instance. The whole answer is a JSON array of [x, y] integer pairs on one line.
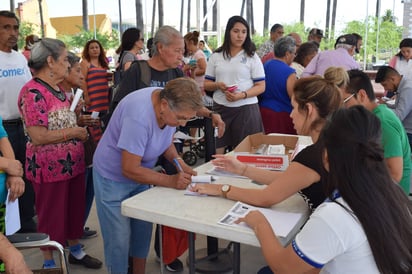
[[57, 158]]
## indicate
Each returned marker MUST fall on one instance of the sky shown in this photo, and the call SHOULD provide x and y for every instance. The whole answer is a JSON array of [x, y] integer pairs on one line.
[[281, 11]]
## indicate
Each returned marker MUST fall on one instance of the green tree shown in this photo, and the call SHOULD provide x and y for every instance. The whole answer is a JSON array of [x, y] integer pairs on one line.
[[389, 37], [76, 42], [297, 27], [388, 16], [26, 29]]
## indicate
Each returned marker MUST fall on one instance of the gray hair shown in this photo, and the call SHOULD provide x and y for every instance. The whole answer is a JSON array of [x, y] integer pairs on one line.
[[344, 46], [284, 45], [165, 35], [44, 48], [73, 59], [182, 94]]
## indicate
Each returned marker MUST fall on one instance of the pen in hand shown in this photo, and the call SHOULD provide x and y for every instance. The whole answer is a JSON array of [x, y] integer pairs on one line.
[[178, 166]]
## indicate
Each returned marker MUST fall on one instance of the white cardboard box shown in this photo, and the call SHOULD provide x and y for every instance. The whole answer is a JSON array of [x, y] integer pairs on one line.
[[246, 151]]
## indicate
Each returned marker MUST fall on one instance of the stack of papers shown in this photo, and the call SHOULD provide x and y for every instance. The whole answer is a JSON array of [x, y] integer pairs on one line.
[[219, 172], [200, 179], [282, 222]]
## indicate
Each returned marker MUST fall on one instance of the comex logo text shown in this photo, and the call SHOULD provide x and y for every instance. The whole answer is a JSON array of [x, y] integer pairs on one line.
[[4, 73]]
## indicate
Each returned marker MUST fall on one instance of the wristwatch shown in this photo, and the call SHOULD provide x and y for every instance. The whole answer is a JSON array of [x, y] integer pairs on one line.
[[225, 190]]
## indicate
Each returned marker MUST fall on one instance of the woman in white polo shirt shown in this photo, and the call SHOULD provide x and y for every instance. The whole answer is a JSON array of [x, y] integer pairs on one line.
[[236, 75]]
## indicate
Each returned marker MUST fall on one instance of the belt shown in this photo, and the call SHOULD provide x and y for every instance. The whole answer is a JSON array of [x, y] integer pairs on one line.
[[12, 122]]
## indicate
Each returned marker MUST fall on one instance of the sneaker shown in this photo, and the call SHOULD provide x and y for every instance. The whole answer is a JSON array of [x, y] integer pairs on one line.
[[86, 261], [87, 233], [175, 266]]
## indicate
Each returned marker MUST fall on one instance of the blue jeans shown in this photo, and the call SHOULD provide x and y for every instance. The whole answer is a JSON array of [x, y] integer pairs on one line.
[[122, 236]]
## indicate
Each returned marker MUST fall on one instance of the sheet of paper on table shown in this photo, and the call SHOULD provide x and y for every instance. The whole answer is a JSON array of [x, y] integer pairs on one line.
[[200, 179], [218, 172], [282, 222]]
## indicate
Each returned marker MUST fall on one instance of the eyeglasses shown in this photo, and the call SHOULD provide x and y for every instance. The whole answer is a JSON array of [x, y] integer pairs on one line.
[[182, 119], [348, 98], [179, 118]]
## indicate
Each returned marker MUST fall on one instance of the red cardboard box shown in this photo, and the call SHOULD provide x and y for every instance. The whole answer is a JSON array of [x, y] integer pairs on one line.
[[245, 151]]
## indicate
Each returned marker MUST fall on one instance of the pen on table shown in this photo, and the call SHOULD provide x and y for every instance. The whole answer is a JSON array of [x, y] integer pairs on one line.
[[179, 167]]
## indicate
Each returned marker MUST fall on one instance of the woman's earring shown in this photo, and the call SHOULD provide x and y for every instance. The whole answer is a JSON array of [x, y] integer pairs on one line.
[[51, 74]]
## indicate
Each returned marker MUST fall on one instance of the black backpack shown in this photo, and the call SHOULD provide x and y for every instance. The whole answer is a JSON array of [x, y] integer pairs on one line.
[[136, 77]]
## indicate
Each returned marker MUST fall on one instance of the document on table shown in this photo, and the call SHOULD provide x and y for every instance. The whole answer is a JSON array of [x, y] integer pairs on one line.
[[200, 179], [218, 172], [12, 218], [282, 222]]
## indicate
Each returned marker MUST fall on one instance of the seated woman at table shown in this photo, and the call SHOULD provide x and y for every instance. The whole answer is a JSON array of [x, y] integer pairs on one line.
[[141, 129], [345, 233], [314, 98]]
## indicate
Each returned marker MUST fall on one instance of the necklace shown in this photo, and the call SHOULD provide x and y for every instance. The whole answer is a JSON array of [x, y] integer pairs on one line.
[[57, 93]]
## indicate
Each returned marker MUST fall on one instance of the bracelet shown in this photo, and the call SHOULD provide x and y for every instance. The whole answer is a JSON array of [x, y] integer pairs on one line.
[[244, 94], [64, 135], [244, 170]]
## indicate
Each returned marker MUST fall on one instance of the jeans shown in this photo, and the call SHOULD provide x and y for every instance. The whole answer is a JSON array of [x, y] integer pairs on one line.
[[122, 236]]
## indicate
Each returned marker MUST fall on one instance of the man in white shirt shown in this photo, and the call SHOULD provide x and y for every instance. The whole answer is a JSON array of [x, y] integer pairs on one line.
[[14, 73]]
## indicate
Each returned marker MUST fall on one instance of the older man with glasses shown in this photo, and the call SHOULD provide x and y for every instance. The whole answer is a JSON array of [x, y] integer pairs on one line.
[[341, 56], [395, 143]]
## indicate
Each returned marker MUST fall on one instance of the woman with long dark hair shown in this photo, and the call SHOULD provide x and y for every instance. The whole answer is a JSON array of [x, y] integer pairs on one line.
[[129, 49], [235, 74], [365, 225], [94, 67]]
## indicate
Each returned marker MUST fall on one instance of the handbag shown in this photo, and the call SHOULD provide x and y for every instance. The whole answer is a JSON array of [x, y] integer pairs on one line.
[[174, 243], [89, 148]]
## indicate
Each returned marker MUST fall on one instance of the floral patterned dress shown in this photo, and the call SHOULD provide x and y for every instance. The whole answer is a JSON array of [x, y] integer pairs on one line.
[[41, 105]]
